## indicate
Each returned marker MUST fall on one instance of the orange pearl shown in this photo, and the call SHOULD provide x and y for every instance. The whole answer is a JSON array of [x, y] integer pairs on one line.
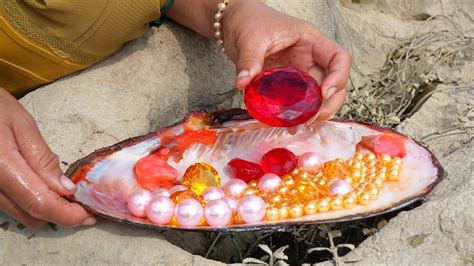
[[276, 198], [250, 191], [296, 171], [296, 211], [369, 157], [364, 198], [283, 190], [283, 212], [356, 175], [272, 214], [396, 161], [323, 205], [358, 156], [311, 207], [374, 193], [336, 204], [394, 175], [288, 181], [378, 182], [385, 158], [253, 183], [349, 202], [236, 218]]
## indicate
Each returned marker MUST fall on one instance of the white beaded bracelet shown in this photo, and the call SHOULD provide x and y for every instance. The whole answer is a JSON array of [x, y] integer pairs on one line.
[[218, 25]]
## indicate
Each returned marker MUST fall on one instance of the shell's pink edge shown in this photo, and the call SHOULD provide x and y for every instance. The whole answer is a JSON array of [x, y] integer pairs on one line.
[[218, 118]]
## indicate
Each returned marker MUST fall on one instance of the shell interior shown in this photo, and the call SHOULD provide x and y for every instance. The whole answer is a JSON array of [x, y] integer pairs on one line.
[[108, 177]]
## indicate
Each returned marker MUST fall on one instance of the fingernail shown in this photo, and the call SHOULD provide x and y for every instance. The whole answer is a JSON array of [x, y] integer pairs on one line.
[[330, 92], [67, 183], [243, 74], [89, 221]]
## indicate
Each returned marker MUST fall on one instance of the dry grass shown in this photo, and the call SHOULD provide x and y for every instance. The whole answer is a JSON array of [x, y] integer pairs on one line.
[[409, 75]]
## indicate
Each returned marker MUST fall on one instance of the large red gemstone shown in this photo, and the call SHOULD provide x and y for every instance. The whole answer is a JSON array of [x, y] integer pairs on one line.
[[245, 170], [283, 97], [279, 161]]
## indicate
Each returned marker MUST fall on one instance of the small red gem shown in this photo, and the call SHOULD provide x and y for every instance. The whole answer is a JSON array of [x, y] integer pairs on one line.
[[279, 161], [283, 97], [245, 170], [387, 143]]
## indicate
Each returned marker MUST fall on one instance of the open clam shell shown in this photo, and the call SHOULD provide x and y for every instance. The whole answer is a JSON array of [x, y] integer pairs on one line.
[[105, 178]]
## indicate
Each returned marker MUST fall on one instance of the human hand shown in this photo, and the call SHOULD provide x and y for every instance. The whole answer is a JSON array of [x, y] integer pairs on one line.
[[31, 182], [257, 37]]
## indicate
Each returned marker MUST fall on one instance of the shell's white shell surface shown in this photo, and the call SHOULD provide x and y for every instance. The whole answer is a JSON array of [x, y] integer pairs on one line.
[[110, 181]]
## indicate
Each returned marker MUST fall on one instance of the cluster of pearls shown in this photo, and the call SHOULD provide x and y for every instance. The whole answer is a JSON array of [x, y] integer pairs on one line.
[[336, 185], [312, 187], [218, 24]]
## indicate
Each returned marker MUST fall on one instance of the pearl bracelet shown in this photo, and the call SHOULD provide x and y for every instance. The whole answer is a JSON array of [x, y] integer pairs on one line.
[[217, 25]]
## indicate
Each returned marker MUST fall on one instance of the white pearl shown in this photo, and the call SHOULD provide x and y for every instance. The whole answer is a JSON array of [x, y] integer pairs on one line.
[[217, 34], [218, 16], [221, 6], [217, 25]]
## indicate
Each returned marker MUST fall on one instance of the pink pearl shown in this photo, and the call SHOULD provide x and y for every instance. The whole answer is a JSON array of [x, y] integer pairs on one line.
[[235, 187], [161, 192], [269, 183], [233, 203], [177, 188], [310, 162], [212, 193], [188, 212], [339, 187], [251, 209], [160, 210], [217, 213], [138, 201]]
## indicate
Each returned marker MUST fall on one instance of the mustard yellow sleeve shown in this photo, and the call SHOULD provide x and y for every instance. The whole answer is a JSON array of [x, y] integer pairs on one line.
[[41, 41]]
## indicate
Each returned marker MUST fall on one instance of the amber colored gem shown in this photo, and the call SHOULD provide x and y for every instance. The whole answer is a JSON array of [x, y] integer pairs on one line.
[[153, 171], [279, 161], [245, 170], [200, 176], [283, 97]]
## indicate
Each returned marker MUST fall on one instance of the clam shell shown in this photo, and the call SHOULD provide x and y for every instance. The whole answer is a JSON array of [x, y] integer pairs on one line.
[[105, 178]]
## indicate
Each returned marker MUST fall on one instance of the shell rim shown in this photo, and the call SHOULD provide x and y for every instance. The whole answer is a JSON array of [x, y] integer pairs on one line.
[[237, 114]]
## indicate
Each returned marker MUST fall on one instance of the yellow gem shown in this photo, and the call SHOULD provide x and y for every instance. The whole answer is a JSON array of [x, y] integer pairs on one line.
[[336, 204], [272, 214], [311, 207], [236, 218], [296, 211], [200, 176]]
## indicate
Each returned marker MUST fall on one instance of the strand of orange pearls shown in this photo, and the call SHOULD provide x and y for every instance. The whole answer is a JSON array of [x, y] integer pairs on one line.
[[302, 193]]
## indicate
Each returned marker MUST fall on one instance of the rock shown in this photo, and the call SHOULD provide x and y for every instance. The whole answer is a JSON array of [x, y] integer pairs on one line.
[[441, 231]]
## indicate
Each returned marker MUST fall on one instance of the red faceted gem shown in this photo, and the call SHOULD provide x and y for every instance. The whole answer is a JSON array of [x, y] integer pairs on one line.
[[283, 97], [279, 161], [245, 170]]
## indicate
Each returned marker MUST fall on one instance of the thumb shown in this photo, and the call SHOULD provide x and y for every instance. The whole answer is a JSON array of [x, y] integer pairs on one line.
[[249, 64], [39, 156]]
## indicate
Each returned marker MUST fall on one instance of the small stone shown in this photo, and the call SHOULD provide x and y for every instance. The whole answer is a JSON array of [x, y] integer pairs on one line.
[[153, 172], [279, 161], [283, 97], [245, 170], [200, 176]]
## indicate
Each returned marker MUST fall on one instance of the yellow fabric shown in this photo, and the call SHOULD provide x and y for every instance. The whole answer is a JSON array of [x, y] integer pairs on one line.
[[43, 40]]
